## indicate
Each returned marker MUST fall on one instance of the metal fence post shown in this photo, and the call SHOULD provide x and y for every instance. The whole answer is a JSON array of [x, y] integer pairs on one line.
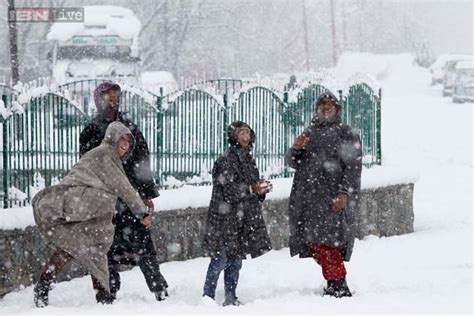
[[379, 128], [5, 157], [343, 107], [286, 173], [226, 121], [159, 136]]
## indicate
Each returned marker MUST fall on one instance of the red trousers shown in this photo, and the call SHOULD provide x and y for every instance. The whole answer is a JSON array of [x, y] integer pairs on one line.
[[330, 260]]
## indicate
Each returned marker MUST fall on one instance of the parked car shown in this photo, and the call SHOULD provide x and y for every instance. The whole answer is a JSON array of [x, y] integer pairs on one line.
[[438, 67], [450, 73], [464, 82]]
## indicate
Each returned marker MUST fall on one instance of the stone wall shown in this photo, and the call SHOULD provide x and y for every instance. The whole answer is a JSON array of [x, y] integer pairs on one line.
[[178, 234]]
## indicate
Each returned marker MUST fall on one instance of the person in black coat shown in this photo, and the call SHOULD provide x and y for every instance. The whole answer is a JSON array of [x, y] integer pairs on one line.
[[132, 240], [324, 197], [235, 224]]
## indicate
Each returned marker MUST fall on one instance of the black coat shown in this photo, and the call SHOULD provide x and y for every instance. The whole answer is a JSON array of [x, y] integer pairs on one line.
[[235, 214], [131, 237], [137, 167], [329, 164]]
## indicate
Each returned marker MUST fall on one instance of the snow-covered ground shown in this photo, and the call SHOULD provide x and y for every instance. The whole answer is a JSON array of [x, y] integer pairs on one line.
[[429, 271]]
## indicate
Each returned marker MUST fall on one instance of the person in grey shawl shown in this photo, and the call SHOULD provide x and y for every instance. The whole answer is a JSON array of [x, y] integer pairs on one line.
[[75, 216], [324, 197]]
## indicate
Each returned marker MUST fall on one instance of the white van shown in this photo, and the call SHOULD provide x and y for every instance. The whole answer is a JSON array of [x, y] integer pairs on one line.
[[104, 46]]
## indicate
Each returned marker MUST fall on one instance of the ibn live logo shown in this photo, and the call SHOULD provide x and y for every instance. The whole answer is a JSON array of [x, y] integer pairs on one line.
[[48, 15]]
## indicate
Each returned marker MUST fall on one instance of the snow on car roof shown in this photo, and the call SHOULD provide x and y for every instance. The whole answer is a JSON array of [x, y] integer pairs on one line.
[[443, 59], [99, 21], [465, 64]]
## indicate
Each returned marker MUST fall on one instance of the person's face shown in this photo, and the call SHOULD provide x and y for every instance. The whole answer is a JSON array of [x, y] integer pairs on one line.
[[327, 110], [111, 103], [243, 137], [123, 146]]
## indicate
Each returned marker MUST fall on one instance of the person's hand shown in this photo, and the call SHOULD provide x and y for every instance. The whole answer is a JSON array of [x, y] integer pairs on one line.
[[262, 187], [147, 221], [149, 204], [340, 202], [301, 141]]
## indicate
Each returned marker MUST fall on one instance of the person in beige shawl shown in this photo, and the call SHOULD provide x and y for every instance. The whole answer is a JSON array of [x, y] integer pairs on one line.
[[75, 216]]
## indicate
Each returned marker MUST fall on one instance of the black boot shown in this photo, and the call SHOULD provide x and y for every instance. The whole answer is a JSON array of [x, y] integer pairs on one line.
[[104, 297], [337, 289], [154, 279], [231, 299], [58, 260], [330, 289], [41, 294], [343, 289], [161, 295]]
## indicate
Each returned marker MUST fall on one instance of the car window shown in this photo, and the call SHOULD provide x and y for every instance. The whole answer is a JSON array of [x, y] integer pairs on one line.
[[452, 65]]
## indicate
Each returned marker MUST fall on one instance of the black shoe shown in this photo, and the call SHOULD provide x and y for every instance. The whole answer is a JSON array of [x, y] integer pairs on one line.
[[161, 295], [41, 294], [231, 300], [329, 289], [337, 289], [103, 297], [207, 295]]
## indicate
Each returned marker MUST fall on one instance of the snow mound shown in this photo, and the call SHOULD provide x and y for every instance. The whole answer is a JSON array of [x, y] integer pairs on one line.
[[378, 66]]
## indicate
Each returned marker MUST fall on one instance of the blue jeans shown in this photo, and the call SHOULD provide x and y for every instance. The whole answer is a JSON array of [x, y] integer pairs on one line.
[[231, 267]]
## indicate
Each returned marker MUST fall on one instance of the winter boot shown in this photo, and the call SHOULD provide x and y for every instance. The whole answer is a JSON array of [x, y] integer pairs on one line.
[[231, 299], [41, 294], [104, 297], [337, 289], [330, 289], [161, 295]]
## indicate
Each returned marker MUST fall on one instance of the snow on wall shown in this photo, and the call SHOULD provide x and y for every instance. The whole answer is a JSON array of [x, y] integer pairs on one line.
[[199, 196]]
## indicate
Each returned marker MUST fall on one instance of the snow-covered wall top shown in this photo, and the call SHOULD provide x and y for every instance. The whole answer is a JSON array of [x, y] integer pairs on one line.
[[99, 21], [199, 196]]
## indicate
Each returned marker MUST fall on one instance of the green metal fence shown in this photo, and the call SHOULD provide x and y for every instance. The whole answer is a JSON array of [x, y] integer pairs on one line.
[[8, 97], [361, 109], [186, 130], [263, 109], [363, 114], [42, 142], [193, 125]]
